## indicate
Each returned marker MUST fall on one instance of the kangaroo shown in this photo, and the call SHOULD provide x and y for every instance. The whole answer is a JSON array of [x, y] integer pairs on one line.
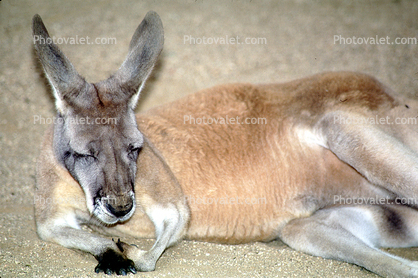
[[331, 170]]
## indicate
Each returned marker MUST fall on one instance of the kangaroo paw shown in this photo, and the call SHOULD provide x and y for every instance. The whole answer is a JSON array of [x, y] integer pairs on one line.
[[112, 262]]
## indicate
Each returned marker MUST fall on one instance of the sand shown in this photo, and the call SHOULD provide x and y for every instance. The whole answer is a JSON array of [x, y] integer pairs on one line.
[[291, 39]]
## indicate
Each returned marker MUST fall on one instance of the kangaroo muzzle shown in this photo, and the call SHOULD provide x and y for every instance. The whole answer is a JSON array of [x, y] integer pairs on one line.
[[112, 209]]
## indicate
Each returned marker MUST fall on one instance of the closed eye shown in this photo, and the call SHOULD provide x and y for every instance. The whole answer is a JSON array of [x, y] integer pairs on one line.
[[81, 155], [133, 152], [84, 157]]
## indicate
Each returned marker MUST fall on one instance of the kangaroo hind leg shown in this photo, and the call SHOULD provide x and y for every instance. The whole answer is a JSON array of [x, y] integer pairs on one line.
[[381, 158], [355, 234]]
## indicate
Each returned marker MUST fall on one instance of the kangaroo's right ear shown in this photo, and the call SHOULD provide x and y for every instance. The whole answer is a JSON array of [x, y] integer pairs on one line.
[[144, 49], [68, 86]]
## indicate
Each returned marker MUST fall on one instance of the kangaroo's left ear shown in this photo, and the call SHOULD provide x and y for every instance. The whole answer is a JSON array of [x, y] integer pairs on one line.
[[144, 49], [70, 89]]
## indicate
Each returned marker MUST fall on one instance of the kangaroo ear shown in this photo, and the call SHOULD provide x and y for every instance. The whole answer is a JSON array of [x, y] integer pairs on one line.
[[144, 49], [67, 84]]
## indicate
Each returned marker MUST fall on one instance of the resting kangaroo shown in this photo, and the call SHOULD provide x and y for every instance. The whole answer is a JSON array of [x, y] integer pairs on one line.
[[332, 170]]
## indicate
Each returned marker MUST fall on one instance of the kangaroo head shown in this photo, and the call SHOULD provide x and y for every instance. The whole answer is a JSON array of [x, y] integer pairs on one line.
[[95, 134]]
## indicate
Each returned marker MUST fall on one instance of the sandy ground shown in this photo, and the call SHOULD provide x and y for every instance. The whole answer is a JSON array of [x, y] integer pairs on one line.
[[299, 41]]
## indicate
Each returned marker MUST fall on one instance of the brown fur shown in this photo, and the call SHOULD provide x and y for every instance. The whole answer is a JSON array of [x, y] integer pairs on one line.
[[230, 181], [260, 161]]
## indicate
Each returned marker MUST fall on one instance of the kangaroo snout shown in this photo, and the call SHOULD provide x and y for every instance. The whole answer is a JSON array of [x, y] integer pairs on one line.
[[119, 206], [113, 208]]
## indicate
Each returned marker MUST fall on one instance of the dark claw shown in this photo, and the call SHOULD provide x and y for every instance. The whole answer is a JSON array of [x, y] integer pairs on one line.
[[120, 244], [132, 269], [97, 269], [113, 262], [122, 272]]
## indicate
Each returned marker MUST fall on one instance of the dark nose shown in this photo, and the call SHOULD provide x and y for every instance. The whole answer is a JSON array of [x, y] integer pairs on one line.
[[119, 206]]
